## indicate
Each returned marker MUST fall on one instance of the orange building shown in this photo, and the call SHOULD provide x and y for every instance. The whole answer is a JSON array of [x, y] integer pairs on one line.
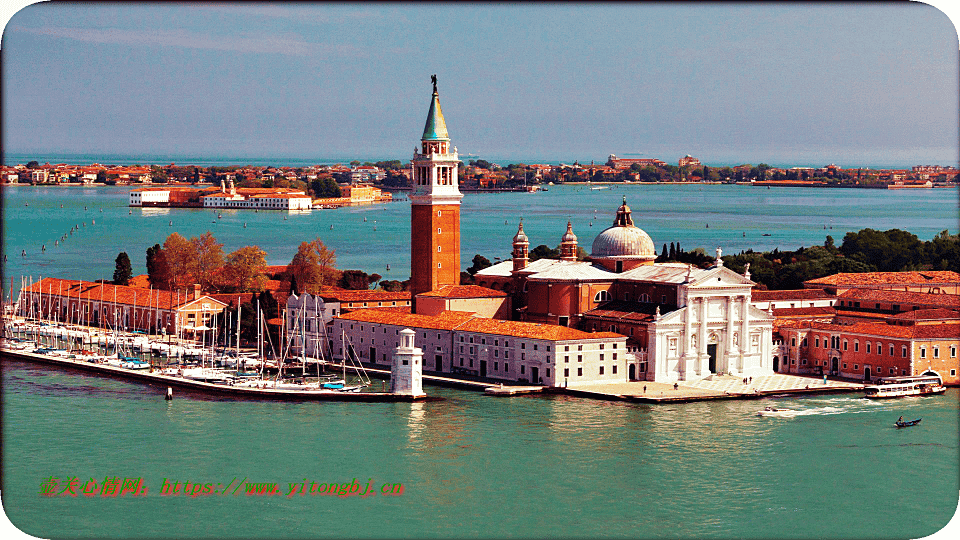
[[912, 343], [118, 306], [933, 282], [435, 208]]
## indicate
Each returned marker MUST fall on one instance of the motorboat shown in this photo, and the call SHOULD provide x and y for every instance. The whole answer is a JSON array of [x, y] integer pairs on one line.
[[776, 411], [901, 423]]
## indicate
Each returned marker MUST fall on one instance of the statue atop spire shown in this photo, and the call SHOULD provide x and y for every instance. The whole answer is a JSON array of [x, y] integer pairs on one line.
[[433, 79]]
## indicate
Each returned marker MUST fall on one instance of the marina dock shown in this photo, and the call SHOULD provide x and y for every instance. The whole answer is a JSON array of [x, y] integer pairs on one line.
[[162, 382]]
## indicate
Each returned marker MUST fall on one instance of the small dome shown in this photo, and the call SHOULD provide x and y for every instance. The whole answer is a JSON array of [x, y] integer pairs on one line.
[[520, 238], [569, 236]]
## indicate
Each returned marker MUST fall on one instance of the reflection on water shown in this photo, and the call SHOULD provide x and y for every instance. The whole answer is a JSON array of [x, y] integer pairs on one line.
[[474, 465]]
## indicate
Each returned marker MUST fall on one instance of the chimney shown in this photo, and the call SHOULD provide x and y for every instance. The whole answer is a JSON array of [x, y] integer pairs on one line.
[[196, 291]]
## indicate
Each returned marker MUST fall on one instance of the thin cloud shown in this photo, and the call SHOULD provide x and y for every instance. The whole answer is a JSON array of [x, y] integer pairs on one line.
[[290, 46], [298, 13]]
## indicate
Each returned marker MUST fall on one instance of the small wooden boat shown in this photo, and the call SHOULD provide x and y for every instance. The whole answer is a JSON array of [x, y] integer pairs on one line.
[[901, 424]]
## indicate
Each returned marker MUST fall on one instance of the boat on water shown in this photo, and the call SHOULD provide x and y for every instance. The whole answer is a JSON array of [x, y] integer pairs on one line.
[[896, 387], [776, 411], [901, 423]]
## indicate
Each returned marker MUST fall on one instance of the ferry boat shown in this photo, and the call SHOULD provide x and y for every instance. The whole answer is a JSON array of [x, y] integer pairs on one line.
[[894, 387]]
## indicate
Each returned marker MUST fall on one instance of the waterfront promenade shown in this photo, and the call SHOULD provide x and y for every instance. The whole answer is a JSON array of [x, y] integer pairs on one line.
[[715, 387]]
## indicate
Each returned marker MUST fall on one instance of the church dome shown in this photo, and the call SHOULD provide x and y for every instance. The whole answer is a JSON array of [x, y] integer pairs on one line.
[[623, 240], [521, 237]]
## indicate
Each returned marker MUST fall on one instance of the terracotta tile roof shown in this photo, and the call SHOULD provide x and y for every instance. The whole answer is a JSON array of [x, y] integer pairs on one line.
[[274, 269], [758, 295], [937, 314], [951, 301], [363, 296], [867, 279], [447, 320], [627, 311], [819, 312], [464, 291], [527, 330], [95, 292], [922, 331], [467, 322]]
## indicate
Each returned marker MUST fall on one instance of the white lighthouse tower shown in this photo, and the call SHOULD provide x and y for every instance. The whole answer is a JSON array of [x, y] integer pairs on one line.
[[406, 373]]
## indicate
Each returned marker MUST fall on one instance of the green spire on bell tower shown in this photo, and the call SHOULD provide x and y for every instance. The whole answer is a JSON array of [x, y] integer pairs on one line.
[[436, 127]]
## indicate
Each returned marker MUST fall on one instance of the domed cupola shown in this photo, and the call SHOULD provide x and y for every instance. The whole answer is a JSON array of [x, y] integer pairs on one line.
[[623, 246], [521, 249], [568, 245]]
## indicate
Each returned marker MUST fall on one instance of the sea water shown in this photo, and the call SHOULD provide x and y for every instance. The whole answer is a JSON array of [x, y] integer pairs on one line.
[[470, 465], [732, 217], [473, 465]]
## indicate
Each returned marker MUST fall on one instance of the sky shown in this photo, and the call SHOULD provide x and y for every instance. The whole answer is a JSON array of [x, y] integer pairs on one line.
[[855, 84]]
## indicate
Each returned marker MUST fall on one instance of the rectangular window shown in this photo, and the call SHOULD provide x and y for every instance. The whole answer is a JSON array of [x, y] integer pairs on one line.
[[856, 346], [566, 372], [936, 352], [891, 349], [601, 370], [579, 358], [953, 352], [579, 372], [903, 351], [868, 347], [614, 369], [522, 369], [817, 342], [844, 344], [923, 352]]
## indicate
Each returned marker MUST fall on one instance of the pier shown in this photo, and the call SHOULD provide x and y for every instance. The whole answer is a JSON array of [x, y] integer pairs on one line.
[[162, 382]]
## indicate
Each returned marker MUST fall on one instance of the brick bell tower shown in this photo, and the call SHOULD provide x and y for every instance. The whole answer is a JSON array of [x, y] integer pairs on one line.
[[435, 207]]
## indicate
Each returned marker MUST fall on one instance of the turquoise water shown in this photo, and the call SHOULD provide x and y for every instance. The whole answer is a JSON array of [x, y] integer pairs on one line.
[[472, 465], [478, 466], [734, 218]]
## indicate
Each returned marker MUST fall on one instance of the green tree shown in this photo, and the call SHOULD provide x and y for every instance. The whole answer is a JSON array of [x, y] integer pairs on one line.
[[355, 280], [392, 285], [123, 271], [479, 263], [543, 252], [157, 271], [325, 188]]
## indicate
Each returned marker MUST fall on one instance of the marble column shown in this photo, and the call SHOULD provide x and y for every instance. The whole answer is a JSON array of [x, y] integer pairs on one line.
[[702, 357]]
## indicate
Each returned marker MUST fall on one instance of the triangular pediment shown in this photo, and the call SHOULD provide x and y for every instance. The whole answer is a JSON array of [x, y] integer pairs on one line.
[[719, 276]]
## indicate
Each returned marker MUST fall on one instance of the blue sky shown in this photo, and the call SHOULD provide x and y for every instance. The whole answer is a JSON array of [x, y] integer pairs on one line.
[[852, 84]]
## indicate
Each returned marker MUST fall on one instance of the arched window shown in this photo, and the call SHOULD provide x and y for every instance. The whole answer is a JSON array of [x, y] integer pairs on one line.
[[601, 296]]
